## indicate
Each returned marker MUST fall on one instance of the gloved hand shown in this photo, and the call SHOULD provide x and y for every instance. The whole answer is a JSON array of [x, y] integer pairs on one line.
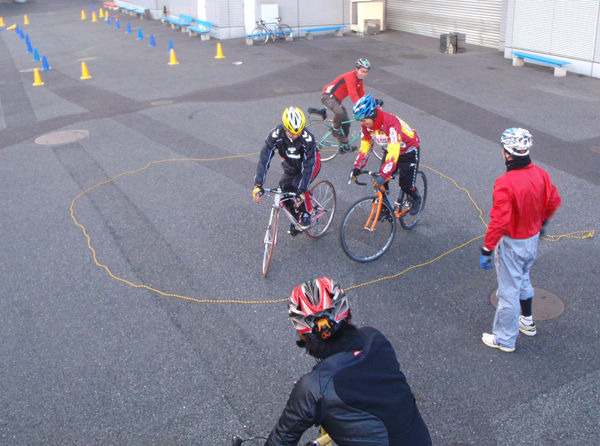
[[299, 199], [485, 261], [378, 182], [257, 192], [355, 173], [543, 230], [379, 102]]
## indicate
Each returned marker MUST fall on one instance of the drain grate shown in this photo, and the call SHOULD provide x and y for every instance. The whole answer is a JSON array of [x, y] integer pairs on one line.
[[546, 305], [62, 137]]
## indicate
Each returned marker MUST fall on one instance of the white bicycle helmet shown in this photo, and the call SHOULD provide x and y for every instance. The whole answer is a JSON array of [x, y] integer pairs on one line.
[[293, 119], [516, 141]]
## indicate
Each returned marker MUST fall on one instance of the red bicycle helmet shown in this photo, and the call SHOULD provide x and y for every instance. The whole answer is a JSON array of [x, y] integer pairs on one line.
[[318, 306]]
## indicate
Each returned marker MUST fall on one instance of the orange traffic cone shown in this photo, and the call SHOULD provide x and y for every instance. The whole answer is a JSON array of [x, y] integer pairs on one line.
[[219, 52], [84, 72], [83, 17], [25, 20], [2, 25], [172, 58], [94, 18], [37, 78]]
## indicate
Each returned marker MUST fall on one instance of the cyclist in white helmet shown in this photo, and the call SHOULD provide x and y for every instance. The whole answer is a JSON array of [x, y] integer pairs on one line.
[[350, 84], [299, 158], [524, 199], [356, 391]]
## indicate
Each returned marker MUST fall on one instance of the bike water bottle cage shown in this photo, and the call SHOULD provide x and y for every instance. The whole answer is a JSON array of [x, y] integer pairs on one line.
[[363, 63], [365, 107], [516, 141], [293, 120]]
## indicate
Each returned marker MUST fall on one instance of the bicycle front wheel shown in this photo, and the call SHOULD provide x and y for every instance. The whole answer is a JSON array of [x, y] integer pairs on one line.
[[260, 35], [327, 144], [407, 220], [270, 241], [322, 199], [284, 31], [364, 244]]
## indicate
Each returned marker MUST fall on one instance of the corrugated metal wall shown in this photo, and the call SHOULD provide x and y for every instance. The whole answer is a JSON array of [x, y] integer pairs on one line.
[[478, 19], [561, 27]]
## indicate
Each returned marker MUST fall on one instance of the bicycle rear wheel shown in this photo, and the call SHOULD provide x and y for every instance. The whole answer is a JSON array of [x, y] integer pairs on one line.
[[284, 31], [361, 244], [407, 220], [322, 199], [327, 143], [260, 35], [270, 241]]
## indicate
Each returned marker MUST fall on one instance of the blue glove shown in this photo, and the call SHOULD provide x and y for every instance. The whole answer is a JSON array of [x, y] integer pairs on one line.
[[485, 261], [378, 182]]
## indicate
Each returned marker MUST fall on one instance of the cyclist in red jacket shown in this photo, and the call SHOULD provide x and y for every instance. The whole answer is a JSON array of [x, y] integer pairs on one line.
[[334, 93], [524, 199], [403, 147]]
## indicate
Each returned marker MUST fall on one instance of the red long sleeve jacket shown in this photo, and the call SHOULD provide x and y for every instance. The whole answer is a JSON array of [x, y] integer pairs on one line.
[[523, 199], [347, 84]]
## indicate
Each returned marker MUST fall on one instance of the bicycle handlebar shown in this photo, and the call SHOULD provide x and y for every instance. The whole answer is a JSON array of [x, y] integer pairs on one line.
[[279, 191], [370, 172]]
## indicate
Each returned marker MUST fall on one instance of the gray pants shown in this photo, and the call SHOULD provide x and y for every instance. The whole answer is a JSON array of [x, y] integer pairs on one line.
[[339, 115], [513, 259]]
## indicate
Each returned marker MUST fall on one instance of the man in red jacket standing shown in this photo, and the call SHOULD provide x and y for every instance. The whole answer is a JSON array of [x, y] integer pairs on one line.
[[347, 84], [524, 200]]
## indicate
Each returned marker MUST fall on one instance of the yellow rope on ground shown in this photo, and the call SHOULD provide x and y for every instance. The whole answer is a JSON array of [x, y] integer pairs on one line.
[[552, 238]]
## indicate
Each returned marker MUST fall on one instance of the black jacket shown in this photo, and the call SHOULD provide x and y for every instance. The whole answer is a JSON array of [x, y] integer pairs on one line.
[[299, 157], [358, 394]]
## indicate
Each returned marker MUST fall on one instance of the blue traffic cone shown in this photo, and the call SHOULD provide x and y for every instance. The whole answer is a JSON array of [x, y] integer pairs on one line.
[[107, 21], [28, 43], [21, 34], [140, 35], [17, 30], [117, 24], [45, 66], [170, 45], [152, 41], [128, 28], [36, 55]]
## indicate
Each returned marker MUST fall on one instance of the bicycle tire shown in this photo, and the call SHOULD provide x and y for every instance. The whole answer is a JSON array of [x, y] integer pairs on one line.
[[323, 199], [270, 241], [327, 144], [359, 243], [260, 35], [283, 31], [408, 221]]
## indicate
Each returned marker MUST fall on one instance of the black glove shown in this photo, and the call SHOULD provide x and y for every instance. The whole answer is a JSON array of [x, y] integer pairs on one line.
[[379, 102], [543, 230], [355, 172]]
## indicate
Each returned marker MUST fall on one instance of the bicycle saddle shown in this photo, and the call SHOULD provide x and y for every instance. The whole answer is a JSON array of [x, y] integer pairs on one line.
[[318, 111]]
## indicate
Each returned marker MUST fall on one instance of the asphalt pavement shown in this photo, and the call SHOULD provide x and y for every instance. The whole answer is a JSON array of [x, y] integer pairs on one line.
[[132, 305]]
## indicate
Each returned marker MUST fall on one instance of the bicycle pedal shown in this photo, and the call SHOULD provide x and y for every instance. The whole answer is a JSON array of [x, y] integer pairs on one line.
[[293, 231]]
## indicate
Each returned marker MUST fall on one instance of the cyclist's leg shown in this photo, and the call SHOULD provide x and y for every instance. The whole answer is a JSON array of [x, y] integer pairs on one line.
[[408, 165], [289, 183], [307, 203], [339, 115]]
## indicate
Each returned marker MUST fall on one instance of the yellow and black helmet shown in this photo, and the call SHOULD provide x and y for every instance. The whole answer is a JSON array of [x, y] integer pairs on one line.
[[293, 119]]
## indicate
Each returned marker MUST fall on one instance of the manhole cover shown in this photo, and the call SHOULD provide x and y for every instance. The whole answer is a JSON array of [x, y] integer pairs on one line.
[[546, 305], [62, 137]]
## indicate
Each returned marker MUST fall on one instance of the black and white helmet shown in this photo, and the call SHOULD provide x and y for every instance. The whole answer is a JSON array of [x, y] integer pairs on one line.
[[363, 63], [516, 141]]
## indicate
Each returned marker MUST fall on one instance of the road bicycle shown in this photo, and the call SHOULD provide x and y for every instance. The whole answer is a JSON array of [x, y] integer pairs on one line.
[[322, 201], [323, 440], [275, 30], [329, 146], [369, 226]]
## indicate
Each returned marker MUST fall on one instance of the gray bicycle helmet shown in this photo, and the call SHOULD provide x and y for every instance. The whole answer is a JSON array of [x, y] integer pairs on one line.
[[363, 63]]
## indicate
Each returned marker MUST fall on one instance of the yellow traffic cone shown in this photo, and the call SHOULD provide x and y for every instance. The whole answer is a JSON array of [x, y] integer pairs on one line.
[[172, 58], [83, 17], [2, 25], [94, 18], [219, 52], [101, 14], [37, 78], [25, 20], [84, 72], [12, 27]]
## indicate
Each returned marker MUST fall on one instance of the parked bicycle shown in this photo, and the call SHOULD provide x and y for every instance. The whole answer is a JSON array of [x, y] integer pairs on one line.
[[275, 30], [322, 201], [369, 226], [322, 127], [323, 440]]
